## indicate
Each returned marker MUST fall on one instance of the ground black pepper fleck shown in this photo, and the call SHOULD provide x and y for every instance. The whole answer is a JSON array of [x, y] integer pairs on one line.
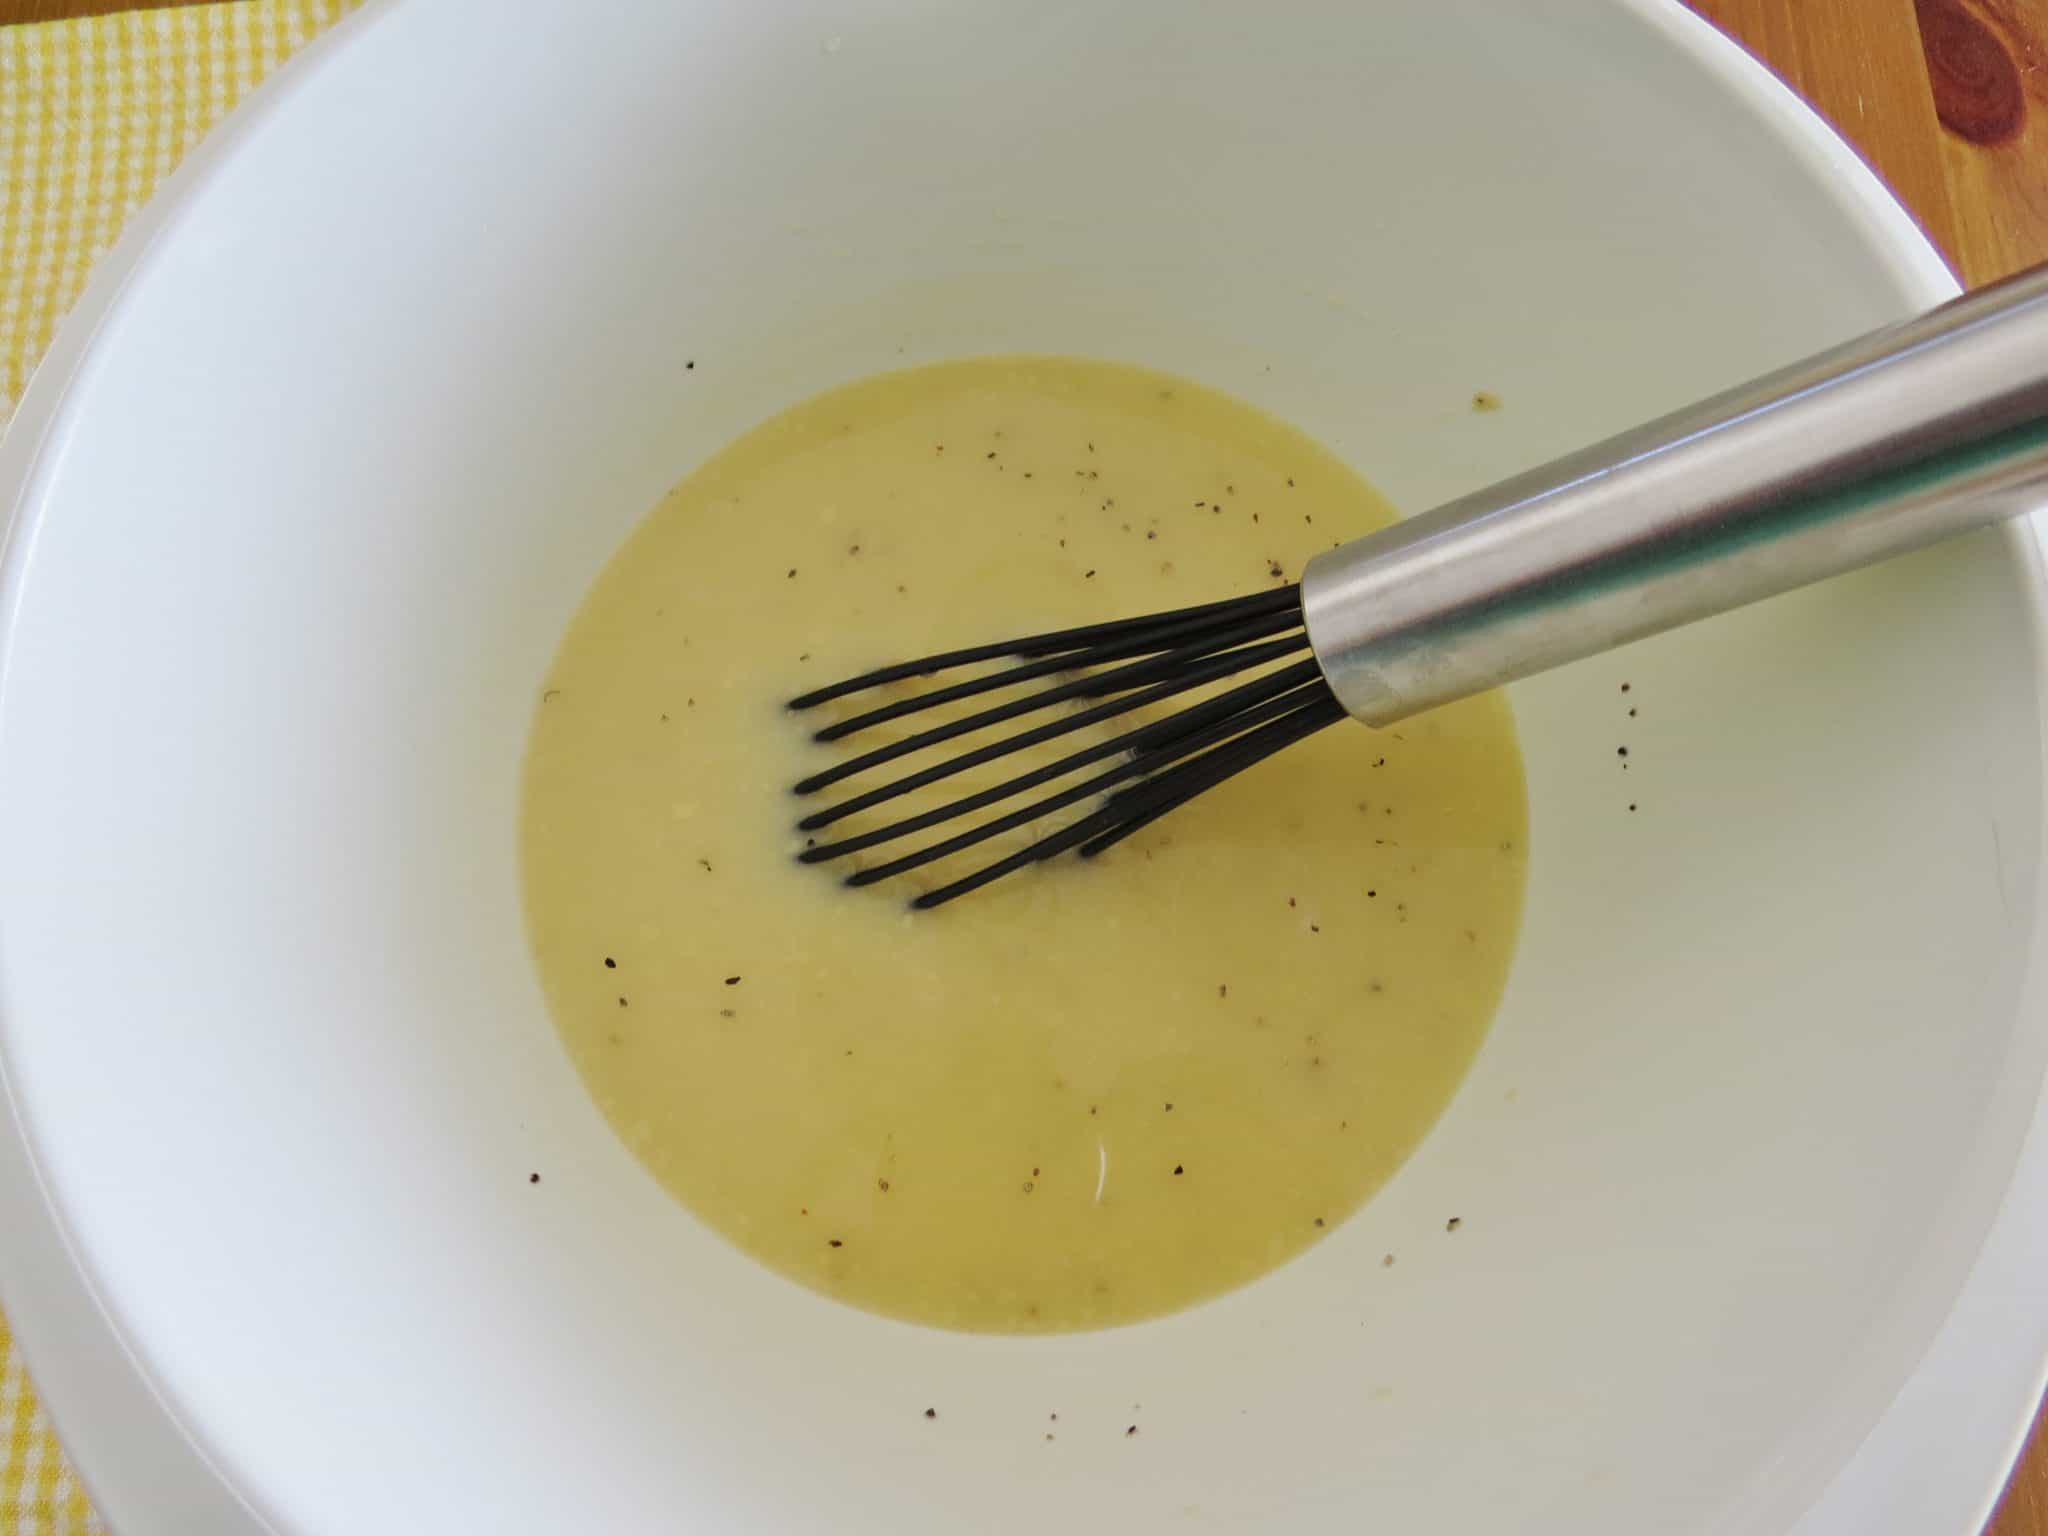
[[834, 1243], [792, 570], [533, 1178], [1454, 1223], [931, 1413], [732, 981], [883, 1184], [610, 964], [1319, 1221], [691, 363], [622, 1002], [1130, 1432], [1085, 575], [1178, 1170], [1621, 751], [1223, 989]]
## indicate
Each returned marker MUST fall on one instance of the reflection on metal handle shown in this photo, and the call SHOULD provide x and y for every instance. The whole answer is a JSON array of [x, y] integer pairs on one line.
[[1893, 441]]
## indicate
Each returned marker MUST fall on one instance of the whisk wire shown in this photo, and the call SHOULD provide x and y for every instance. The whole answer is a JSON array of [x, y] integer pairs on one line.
[[1128, 664], [1189, 639], [1121, 816], [1077, 639], [1131, 675], [1236, 698], [1145, 751]]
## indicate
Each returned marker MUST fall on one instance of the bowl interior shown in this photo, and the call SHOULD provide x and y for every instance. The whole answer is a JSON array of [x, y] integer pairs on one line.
[[409, 363]]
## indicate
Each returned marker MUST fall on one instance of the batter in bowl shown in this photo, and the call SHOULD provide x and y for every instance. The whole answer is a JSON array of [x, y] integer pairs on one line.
[[1090, 1093]]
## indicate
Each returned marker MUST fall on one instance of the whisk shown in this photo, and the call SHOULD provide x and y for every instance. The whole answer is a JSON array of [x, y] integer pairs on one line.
[[1893, 441]]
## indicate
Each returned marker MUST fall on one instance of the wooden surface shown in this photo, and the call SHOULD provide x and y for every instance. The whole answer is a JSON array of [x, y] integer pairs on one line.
[[1949, 100], [57, 10]]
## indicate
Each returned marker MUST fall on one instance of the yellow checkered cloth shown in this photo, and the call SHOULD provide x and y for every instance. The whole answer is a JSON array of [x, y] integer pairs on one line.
[[93, 114]]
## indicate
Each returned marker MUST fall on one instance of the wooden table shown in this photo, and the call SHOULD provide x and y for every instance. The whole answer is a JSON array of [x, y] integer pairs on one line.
[[1941, 96]]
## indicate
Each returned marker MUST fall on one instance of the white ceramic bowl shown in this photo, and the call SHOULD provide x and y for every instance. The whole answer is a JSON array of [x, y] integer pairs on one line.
[[314, 477]]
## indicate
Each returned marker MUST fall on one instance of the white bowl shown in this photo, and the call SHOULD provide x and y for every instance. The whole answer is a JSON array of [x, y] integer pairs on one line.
[[315, 475]]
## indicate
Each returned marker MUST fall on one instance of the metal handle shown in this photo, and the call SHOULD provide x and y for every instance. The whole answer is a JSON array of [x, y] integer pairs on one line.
[[1898, 439]]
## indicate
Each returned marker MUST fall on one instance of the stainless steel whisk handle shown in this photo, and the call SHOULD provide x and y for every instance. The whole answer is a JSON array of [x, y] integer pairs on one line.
[[1898, 439]]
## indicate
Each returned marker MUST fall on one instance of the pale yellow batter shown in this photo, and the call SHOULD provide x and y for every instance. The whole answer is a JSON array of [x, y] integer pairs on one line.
[[1089, 1093]]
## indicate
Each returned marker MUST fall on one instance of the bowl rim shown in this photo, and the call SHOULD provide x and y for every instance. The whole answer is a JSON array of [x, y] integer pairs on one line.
[[1991, 1351], [143, 1469]]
